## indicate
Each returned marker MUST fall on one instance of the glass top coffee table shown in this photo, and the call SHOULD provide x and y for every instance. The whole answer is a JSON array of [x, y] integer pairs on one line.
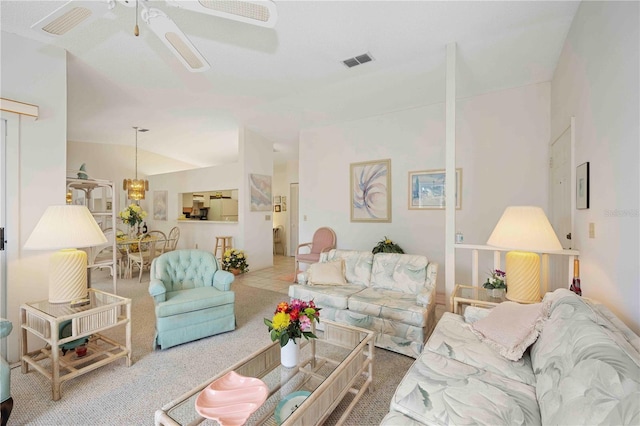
[[340, 361]]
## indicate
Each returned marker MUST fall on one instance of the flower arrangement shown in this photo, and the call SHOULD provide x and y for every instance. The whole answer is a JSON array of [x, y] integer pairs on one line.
[[235, 259], [132, 215], [497, 280], [292, 321], [387, 246]]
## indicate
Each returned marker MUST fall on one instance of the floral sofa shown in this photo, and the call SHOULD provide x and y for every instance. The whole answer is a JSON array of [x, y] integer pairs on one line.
[[392, 294], [584, 368]]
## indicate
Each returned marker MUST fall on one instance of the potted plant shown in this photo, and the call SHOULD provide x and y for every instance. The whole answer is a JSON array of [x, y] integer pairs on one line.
[[133, 216], [235, 261], [386, 246], [292, 321], [496, 283]]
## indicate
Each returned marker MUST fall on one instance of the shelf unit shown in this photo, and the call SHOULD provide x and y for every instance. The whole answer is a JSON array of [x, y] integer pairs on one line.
[[105, 218]]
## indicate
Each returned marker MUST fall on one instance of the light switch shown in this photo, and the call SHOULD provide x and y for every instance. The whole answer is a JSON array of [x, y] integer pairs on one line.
[[592, 230], [305, 217], [267, 217]]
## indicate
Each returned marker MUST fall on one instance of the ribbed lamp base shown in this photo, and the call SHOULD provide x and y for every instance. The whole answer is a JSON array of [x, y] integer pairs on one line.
[[523, 276], [67, 276]]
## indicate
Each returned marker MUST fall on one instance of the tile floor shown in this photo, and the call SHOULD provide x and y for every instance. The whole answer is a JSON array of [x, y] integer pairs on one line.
[[277, 278]]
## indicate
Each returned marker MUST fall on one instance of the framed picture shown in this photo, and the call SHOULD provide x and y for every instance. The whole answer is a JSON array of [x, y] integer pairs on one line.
[[371, 191], [582, 186], [109, 206], [276, 208], [276, 199], [160, 205], [427, 189], [260, 192]]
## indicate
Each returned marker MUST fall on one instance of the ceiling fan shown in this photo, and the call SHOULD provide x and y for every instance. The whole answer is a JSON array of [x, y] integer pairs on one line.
[[73, 13]]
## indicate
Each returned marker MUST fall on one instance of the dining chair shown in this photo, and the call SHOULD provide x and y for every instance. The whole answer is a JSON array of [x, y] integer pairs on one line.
[[172, 241], [278, 239], [149, 247], [324, 239], [101, 256]]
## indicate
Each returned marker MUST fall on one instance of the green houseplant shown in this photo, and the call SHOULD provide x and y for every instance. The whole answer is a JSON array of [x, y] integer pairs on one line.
[[387, 246]]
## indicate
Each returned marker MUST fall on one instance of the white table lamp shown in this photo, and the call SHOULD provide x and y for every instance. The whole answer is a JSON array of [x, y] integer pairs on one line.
[[525, 229], [66, 227]]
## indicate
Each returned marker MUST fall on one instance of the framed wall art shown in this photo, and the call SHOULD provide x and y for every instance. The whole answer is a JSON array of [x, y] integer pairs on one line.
[[277, 199], [582, 186], [260, 192], [160, 205], [371, 191], [427, 189], [276, 208]]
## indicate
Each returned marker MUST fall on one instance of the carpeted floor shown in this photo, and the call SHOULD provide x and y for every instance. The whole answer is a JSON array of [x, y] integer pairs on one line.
[[117, 395]]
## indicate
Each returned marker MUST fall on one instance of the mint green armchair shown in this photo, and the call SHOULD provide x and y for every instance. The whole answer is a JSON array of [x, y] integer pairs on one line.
[[6, 401], [192, 297]]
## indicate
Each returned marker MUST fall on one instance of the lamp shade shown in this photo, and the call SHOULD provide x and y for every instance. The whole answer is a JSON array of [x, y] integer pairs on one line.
[[524, 228], [66, 226]]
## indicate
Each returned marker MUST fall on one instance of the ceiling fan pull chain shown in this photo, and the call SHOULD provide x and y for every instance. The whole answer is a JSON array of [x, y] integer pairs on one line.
[[136, 29]]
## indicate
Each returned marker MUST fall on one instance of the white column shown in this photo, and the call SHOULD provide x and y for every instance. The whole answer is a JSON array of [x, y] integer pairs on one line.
[[450, 173]]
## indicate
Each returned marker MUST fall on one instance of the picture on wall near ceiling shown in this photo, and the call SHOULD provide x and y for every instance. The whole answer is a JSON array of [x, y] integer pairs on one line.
[[582, 186], [160, 205], [260, 192], [276, 199], [427, 189], [276, 208], [371, 191]]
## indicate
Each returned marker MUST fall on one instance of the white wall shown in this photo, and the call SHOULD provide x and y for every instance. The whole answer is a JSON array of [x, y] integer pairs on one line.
[[256, 156], [501, 146], [597, 82], [116, 162], [36, 166]]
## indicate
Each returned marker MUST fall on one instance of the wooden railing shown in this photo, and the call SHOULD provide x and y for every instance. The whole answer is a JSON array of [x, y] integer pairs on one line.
[[497, 260]]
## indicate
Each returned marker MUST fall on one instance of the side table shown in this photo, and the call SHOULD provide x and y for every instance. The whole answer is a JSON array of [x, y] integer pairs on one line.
[[43, 319], [475, 296]]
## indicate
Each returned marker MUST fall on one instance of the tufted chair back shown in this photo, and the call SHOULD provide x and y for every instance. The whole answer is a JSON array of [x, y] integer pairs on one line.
[[185, 269]]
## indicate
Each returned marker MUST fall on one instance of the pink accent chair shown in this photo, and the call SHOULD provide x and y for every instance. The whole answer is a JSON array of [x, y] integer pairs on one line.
[[324, 239]]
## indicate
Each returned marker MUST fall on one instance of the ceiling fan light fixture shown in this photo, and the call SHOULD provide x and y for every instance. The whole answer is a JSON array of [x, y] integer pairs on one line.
[[68, 16], [257, 12], [175, 40]]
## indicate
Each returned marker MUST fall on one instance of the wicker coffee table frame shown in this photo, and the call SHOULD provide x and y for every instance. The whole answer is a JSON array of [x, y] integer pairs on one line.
[[329, 380]]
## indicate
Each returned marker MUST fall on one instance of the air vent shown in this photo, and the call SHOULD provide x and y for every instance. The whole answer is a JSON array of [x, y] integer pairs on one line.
[[358, 60]]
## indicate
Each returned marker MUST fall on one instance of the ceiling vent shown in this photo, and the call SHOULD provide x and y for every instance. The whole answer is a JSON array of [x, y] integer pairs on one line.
[[358, 60]]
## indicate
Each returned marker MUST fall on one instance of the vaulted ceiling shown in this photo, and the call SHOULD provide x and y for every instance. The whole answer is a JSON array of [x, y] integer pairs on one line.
[[277, 81]]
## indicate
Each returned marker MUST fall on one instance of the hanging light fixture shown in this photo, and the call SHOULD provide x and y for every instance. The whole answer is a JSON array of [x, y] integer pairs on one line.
[[136, 187]]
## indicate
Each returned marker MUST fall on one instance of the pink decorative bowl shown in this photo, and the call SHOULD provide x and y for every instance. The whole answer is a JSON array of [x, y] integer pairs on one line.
[[231, 399]]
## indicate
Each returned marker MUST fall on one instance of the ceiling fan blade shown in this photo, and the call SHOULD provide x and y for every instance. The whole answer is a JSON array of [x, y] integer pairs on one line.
[[70, 15], [175, 39], [255, 12]]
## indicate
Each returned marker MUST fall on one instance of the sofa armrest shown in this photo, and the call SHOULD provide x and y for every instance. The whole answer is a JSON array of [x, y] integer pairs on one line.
[[474, 313], [432, 274], [222, 280], [157, 290], [5, 327], [427, 293]]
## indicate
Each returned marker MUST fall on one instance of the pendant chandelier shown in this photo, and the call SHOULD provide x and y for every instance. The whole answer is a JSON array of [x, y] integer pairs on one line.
[[136, 188]]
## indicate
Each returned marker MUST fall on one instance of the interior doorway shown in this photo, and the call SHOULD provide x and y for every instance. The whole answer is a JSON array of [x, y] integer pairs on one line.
[[3, 217], [293, 218], [561, 190]]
